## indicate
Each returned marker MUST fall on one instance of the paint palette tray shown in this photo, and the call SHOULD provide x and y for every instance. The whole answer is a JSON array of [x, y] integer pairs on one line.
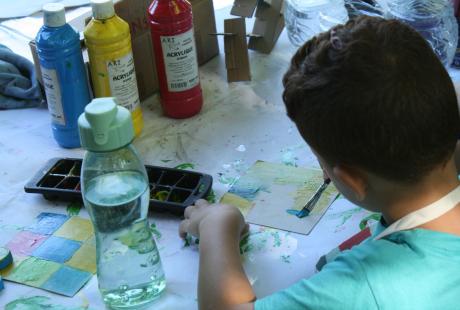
[[171, 190]]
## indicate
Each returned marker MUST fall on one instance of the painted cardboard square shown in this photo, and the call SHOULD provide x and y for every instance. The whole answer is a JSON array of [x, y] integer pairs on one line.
[[47, 223], [268, 191], [84, 258], [17, 260], [67, 281], [76, 228], [33, 271], [91, 240], [24, 243], [57, 249]]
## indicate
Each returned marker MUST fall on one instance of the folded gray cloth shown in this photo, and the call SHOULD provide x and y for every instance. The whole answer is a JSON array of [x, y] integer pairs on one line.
[[19, 87]]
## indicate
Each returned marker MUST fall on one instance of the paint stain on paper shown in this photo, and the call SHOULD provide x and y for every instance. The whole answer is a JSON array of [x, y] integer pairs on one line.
[[185, 166], [37, 303], [155, 232]]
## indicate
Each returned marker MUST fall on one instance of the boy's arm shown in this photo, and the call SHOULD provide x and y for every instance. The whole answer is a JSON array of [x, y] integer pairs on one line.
[[222, 283]]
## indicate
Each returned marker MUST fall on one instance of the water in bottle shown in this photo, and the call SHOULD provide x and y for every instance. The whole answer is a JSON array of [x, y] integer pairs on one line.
[[116, 193]]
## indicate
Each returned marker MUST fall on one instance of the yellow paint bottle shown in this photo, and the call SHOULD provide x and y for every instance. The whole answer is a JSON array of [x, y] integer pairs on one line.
[[111, 60]]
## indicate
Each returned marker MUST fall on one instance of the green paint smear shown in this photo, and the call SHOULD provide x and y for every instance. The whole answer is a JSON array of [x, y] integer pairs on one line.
[[166, 160], [364, 221], [286, 258], [73, 208], [137, 238], [185, 166], [245, 246], [155, 232], [211, 198], [253, 242], [227, 180], [37, 303], [187, 241], [276, 239], [190, 240]]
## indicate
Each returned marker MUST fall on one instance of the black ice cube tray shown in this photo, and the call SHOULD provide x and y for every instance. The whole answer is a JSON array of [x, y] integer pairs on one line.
[[171, 189]]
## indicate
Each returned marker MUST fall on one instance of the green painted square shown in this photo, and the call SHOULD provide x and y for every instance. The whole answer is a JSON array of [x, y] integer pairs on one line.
[[33, 271]]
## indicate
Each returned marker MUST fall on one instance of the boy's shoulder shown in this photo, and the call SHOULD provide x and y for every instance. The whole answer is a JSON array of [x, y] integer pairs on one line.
[[407, 270]]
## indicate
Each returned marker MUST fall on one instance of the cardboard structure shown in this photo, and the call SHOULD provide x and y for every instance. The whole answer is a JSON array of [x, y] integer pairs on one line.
[[244, 8], [236, 50], [268, 25]]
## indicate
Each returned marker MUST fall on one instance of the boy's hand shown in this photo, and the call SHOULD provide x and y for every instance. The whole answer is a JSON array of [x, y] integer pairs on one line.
[[211, 216]]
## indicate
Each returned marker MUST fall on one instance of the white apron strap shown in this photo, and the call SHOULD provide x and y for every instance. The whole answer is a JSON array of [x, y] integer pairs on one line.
[[424, 215]]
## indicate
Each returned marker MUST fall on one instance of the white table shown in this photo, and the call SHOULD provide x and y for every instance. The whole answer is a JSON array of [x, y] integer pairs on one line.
[[239, 124]]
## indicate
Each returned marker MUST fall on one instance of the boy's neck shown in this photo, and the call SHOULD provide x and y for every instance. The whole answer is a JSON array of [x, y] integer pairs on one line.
[[402, 200]]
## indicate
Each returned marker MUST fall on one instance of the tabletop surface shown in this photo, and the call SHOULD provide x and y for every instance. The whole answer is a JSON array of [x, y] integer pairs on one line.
[[240, 123]]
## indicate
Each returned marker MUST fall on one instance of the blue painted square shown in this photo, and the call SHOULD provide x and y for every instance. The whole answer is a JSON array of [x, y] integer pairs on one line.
[[57, 249], [67, 281], [47, 223]]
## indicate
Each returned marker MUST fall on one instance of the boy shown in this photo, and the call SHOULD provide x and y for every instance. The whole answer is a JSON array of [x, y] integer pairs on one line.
[[380, 112]]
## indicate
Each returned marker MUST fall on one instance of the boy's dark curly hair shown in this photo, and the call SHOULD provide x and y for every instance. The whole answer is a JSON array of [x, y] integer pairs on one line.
[[372, 94]]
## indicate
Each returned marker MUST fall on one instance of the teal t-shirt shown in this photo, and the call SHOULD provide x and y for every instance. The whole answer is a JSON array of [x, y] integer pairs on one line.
[[413, 269]]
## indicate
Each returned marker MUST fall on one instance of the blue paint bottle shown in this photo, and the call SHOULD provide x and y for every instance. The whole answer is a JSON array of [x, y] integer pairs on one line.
[[64, 75]]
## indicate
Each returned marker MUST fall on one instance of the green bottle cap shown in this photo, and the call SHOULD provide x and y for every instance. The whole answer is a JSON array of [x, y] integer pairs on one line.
[[105, 126]]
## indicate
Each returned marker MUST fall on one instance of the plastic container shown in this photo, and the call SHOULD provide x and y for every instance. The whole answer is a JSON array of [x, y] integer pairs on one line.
[[433, 19], [108, 40], [64, 74], [115, 190], [171, 26], [171, 190], [306, 18]]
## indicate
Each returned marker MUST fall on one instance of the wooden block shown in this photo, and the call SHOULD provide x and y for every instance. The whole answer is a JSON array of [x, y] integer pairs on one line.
[[269, 24], [236, 50]]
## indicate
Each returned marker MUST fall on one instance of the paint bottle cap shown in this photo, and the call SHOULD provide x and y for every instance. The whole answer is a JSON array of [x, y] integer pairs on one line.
[[102, 9], [54, 15], [105, 126]]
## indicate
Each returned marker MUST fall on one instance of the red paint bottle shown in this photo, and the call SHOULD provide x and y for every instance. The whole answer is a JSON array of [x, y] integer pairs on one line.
[[171, 26]]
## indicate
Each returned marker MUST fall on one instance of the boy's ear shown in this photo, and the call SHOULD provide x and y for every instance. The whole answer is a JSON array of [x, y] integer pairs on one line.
[[352, 178]]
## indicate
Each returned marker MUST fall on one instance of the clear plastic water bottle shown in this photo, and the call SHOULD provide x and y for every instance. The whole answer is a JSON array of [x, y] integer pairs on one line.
[[433, 19], [306, 18], [116, 193]]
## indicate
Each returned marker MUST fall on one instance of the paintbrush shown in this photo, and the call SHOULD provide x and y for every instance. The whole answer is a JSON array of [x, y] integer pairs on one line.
[[313, 200]]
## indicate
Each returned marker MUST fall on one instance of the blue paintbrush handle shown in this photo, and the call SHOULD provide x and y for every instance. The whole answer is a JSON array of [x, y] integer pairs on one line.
[[313, 200]]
